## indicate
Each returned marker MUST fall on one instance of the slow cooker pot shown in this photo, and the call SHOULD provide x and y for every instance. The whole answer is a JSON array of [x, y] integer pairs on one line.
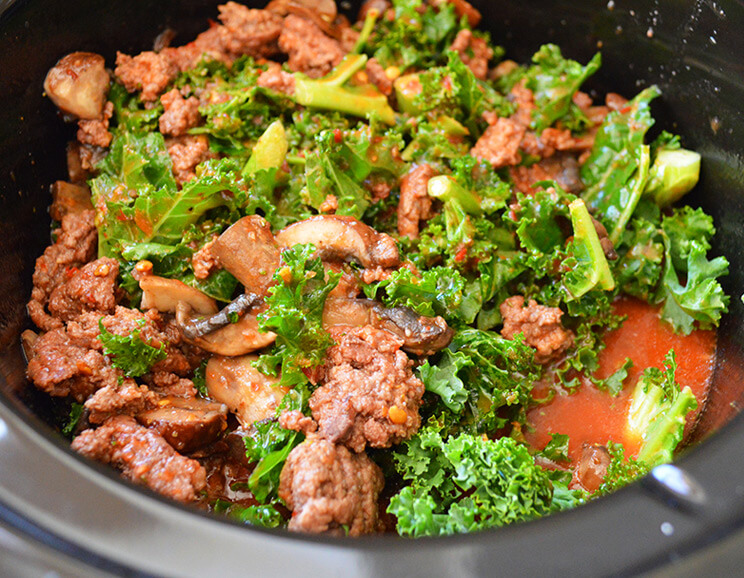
[[681, 519]]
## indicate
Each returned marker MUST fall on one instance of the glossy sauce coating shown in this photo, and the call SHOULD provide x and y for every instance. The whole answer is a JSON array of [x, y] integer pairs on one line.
[[593, 416]]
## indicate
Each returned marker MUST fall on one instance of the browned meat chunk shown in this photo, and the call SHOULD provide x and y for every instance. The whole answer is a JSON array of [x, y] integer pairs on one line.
[[415, 203], [309, 49], [78, 84], [473, 51], [298, 421], [89, 289], [85, 331], [370, 395], [499, 144], [180, 114], [144, 457], [208, 43], [186, 152], [462, 8], [562, 168], [148, 72], [274, 78], [331, 490], [203, 262], [61, 365], [377, 76], [540, 325], [171, 384], [592, 467], [126, 398], [248, 31], [186, 424], [75, 246], [95, 132]]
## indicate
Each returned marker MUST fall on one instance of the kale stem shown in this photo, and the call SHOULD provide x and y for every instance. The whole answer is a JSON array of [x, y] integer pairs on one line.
[[369, 25]]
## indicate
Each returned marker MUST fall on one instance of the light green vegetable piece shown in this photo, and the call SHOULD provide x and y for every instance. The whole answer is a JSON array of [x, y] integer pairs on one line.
[[270, 150], [592, 268], [329, 92], [674, 173]]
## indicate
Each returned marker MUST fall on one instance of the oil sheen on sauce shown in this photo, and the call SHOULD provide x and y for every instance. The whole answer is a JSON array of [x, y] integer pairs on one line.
[[595, 417]]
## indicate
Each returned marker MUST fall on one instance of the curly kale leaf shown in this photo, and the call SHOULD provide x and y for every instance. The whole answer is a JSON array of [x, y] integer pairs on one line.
[[437, 291], [469, 483], [479, 373], [554, 80], [416, 37], [295, 314], [344, 159], [130, 353], [270, 445], [138, 198], [264, 515], [617, 169], [698, 299], [621, 471]]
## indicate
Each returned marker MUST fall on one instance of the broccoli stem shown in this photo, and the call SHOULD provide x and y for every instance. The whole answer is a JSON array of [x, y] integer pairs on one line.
[[369, 24], [328, 93], [666, 431], [673, 174], [270, 150], [447, 189], [588, 251]]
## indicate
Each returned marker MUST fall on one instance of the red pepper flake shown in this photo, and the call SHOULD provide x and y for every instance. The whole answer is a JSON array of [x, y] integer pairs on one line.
[[337, 136], [461, 254], [70, 271]]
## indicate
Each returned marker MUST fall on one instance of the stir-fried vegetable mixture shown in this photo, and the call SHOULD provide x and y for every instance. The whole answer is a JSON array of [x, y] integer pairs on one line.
[[418, 233]]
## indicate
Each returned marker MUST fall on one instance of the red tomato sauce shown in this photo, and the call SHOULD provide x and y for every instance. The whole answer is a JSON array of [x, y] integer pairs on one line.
[[595, 417]]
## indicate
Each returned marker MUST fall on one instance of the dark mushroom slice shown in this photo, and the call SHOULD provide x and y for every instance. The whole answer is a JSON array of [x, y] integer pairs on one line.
[[592, 466], [248, 393], [343, 238], [69, 198], [186, 424], [421, 335], [248, 250], [232, 339], [165, 295], [200, 326], [78, 84]]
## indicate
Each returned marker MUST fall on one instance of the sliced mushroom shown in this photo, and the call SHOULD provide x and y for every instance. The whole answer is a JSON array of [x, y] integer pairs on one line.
[[322, 12], [232, 340], [342, 238], [237, 308], [592, 466], [186, 424], [78, 84], [421, 335], [69, 198], [248, 393], [165, 295], [28, 339], [248, 251]]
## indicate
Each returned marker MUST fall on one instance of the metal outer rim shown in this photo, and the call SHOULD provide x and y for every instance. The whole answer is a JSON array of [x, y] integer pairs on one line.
[[95, 517]]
